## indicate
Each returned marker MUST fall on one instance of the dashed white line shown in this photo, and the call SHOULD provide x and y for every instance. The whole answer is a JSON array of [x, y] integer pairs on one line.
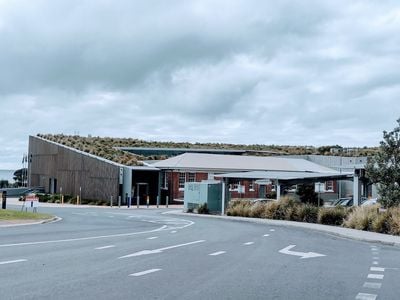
[[174, 231], [145, 272], [372, 285], [376, 258], [375, 263], [217, 253], [248, 243], [12, 261], [266, 234], [272, 230], [377, 269], [375, 276], [105, 247], [363, 296], [375, 253], [152, 238]]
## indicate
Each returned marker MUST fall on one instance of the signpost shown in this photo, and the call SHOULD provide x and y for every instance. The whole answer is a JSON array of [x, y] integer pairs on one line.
[[31, 200]]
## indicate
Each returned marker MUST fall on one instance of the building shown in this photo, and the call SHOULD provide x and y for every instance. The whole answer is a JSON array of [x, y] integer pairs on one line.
[[62, 169]]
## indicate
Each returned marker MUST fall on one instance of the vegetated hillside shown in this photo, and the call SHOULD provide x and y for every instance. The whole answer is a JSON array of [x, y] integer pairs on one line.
[[105, 147]]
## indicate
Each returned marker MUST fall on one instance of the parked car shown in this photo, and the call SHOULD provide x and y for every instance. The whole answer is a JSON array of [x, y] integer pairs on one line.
[[343, 201], [369, 202]]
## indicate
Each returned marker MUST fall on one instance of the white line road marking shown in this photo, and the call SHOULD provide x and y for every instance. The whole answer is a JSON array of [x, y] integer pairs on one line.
[[248, 243], [363, 296], [272, 230], [375, 276], [375, 263], [152, 238], [12, 261], [217, 253], [156, 251], [302, 254], [374, 249], [372, 285], [377, 269], [266, 234], [145, 272], [375, 253], [104, 247], [174, 231], [84, 238], [376, 258]]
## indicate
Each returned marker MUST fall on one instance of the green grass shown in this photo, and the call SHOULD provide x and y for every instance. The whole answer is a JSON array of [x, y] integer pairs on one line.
[[9, 215]]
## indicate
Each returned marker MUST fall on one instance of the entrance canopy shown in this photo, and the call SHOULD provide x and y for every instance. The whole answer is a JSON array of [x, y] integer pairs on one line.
[[286, 177]]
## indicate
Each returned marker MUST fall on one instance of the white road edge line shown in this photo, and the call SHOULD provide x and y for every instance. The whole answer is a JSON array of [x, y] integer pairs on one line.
[[145, 272], [12, 261], [363, 296], [375, 276], [105, 247], [84, 238], [152, 238], [217, 253], [248, 243]]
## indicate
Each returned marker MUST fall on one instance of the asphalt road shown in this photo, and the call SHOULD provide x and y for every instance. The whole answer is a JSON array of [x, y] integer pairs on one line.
[[103, 253]]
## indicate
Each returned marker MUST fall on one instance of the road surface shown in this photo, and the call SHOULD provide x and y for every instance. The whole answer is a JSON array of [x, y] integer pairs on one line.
[[110, 253]]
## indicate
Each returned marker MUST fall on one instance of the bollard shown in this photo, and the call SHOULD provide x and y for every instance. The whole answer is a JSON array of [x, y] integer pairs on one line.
[[62, 199], [158, 201], [4, 200], [119, 201], [166, 198], [148, 201], [111, 201]]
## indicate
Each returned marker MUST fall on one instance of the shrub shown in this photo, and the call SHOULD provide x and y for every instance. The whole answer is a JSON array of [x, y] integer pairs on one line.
[[332, 215], [307, 213], [380, 223], [361, 217], [203, 209], [394, 220], [239, 208], [257, 210]]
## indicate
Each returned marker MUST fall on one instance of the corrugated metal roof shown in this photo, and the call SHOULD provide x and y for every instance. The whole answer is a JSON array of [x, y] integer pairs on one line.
[[229, 163]]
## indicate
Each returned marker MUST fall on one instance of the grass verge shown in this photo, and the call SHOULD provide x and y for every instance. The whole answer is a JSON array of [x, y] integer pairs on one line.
[[13, 215]]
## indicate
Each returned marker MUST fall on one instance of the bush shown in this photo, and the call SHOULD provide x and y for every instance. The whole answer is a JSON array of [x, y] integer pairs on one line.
[[203, 209], [332, 215], [362, 217], [394, 220], [257, 210], [239, 208], [307, 213]]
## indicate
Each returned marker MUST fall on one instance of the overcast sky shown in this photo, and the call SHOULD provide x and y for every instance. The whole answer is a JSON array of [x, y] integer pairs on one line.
[[252, 71]]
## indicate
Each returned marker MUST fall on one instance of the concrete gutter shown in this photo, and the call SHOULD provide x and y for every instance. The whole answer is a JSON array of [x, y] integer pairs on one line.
[[359, 235], [15, 223]]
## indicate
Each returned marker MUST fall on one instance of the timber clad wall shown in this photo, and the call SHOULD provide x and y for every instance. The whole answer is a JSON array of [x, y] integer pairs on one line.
[[50, 163]]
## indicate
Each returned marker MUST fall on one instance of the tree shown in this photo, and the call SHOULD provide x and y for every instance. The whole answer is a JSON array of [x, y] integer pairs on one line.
[[20, 176], [307, 194], [384, 168]]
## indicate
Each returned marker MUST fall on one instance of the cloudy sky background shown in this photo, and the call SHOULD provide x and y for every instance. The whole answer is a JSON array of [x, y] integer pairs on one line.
[[252, 71]]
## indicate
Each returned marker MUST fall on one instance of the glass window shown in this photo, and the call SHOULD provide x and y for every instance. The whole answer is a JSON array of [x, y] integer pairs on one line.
[[191, 177], [182, 179]]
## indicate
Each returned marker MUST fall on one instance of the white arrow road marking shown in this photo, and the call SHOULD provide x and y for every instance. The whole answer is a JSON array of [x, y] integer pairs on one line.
[[155, 251], [302, 254], [12, 261], [145, 272]]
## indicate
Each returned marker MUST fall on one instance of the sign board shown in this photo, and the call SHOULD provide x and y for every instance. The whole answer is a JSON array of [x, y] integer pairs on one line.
[[31, 200], [241, 189], [319, 187]]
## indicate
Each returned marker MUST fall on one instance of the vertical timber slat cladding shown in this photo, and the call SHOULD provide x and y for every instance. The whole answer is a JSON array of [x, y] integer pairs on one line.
[[72, 169]]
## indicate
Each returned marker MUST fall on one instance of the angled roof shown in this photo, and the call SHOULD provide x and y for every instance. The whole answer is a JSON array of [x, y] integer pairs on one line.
[[234, 163]]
